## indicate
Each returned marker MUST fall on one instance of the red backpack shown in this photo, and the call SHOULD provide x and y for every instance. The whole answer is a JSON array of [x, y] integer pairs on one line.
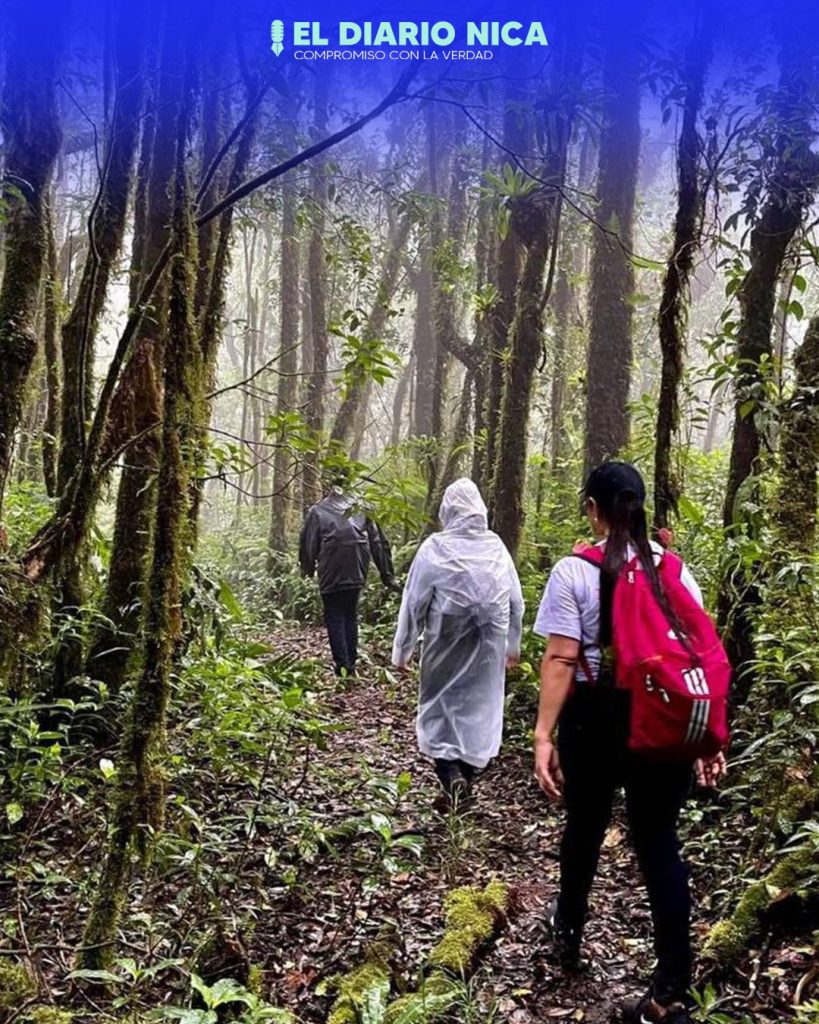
[[679, 692]]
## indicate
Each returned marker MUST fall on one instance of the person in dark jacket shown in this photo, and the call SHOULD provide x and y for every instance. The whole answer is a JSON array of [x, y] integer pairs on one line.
[[340, 543]]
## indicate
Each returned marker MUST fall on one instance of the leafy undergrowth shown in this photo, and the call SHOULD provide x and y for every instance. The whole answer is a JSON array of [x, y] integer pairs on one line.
[[301, 831]]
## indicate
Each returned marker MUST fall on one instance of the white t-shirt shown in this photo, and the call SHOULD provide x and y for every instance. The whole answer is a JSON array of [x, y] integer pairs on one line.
[[571, 603]]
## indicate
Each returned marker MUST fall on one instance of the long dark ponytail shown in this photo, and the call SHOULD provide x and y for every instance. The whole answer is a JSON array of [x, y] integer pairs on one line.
[[619, 493]]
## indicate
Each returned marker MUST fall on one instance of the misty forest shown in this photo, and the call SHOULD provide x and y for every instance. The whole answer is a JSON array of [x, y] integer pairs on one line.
[[232, 282]]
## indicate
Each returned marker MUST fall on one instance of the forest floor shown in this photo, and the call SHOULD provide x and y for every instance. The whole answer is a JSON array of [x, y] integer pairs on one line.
[[296, 867], [510, 832]]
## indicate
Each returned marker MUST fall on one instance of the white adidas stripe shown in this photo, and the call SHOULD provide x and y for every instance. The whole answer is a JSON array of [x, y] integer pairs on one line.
[[698, 722]]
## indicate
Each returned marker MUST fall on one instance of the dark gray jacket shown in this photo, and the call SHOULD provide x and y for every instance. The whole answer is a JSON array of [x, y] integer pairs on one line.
[[341, 545]]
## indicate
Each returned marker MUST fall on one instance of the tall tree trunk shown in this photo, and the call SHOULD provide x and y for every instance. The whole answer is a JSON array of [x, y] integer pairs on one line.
[[458, 451], [51, 347], [317, 280], [484, 256], [446, 302], [526, 345], [106, 229], [535, 218], [567, 313], [212, 278], [137, 409], [673, 315], [790, 188], [612, 272], [517, 120], [423, 341], [248, 347], [139, 802], [31, 130], [287, 390], [398, 403]]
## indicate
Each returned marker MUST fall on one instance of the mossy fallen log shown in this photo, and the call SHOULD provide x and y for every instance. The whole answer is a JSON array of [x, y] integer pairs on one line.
[[473, 917], [435, 997], [363, 993], [731, 937]]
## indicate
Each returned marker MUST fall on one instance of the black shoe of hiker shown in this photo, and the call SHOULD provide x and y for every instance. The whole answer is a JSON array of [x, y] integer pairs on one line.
[[646, 1011], [565, 941], [454, 784]]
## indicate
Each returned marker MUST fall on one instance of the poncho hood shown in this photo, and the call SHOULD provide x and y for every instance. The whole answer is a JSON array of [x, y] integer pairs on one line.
[[462, 507]]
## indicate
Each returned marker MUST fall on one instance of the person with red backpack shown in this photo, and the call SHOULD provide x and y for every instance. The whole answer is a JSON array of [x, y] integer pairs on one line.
[[635, 681]]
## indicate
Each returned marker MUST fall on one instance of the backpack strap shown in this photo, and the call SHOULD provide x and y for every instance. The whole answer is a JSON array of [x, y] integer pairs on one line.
[[593, 555], [671, 563], [589, 553]]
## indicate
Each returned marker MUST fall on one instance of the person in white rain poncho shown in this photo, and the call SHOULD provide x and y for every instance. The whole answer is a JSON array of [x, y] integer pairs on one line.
[[464, 596]]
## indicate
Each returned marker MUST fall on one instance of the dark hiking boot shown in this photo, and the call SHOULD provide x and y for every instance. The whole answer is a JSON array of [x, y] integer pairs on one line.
[[455, 785], [565, 941], [646, 1011]]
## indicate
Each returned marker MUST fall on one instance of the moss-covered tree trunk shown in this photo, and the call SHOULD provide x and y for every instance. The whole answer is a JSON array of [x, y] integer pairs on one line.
[[51, 356], [137, 408], [612, 273], [139, 801], [525, 349], [535, 218], [287, 365], [485, 240], [106, 228], [673, 315], [430, 361], [31, 130], [567, 313], [517, 129], [447, 295], [314, 413]]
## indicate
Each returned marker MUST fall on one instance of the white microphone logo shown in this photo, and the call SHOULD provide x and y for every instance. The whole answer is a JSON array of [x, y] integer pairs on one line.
[[277, 36]]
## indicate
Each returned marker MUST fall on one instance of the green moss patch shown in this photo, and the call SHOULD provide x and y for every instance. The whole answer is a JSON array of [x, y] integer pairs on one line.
[[363, 992], [473, 916], [16, 985], [729, 939]]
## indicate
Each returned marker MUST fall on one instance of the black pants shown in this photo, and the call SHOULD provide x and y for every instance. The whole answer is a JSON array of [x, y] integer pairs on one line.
[[341, 619], [596, 762]]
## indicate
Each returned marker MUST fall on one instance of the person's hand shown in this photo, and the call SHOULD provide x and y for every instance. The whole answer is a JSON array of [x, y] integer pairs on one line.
[[547, 769], [402, 670], [710, 770], [512, 660], [394, 586]]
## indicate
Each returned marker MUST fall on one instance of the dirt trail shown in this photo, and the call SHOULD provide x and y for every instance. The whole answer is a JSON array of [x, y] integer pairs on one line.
[[511, 833]]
